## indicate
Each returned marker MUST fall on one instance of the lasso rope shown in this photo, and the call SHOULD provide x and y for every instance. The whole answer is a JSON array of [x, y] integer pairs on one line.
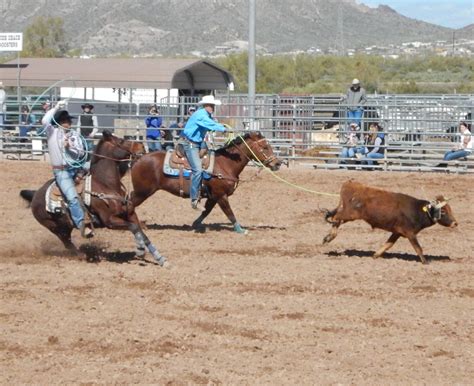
[[81, 159], [260, 164]]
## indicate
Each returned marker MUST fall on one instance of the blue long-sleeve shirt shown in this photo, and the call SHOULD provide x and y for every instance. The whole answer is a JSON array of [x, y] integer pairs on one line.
[[153, 124], [199, 124]]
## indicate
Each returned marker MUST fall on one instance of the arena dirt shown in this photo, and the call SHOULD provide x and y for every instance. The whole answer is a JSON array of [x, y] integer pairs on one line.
[[272, 307]]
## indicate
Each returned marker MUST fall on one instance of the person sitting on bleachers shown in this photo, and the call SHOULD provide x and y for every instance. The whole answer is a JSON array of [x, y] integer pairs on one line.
[[464, 147], [351, 145], [376, 149]]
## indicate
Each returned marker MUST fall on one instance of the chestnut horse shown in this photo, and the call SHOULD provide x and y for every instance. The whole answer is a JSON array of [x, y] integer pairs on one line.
[[110, 204], [148, 177]]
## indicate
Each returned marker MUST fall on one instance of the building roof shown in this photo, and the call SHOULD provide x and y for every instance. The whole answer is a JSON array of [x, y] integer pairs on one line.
[[125, 73]]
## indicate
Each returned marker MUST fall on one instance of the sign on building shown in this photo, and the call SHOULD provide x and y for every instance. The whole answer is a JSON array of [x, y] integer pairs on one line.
[[11, 41]]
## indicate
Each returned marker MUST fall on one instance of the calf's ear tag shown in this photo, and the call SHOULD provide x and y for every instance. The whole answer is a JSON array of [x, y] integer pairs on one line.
[[425, 208]]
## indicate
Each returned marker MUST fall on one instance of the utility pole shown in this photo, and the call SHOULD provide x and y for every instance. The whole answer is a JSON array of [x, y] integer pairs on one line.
[[454, 39], [340, 28], [251, 63]]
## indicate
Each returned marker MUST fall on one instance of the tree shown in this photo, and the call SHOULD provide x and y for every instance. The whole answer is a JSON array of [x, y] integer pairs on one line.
[[45, 38]]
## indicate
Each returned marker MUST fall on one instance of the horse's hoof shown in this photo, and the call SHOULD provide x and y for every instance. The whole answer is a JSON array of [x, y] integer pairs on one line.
[[161, 260], [239, 229], [200, 228], [167, 265], [140, 253]]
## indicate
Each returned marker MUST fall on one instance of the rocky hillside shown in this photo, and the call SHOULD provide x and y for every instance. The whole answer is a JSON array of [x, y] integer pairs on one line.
[[167, 27]]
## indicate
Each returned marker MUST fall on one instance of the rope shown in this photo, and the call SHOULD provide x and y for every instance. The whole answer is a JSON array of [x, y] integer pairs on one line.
[[260, 164], [77, 163], [45, 91]]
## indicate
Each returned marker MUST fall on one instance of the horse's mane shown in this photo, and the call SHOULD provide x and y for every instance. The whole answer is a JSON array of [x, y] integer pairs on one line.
[[238, 140]]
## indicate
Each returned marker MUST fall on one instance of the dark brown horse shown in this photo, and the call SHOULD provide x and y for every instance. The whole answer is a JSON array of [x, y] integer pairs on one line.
[[110, 205], [148, 175]]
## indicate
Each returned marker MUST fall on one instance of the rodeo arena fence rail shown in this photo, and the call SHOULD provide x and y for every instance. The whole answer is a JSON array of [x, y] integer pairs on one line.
[[308, 130]]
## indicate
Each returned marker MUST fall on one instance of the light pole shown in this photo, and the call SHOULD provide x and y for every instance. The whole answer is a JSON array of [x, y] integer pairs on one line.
[[251, 64]]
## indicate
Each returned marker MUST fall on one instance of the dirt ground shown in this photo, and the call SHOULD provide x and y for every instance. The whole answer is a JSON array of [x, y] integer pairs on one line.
[[272, 307]]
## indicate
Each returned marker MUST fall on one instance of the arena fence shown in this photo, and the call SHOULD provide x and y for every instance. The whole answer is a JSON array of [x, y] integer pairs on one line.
[[309, 130]]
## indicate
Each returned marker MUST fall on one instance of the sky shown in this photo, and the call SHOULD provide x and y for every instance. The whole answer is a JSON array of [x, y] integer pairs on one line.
[[448, 13]]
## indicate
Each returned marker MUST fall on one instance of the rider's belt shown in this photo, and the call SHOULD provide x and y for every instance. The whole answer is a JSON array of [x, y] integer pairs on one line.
[[61, 167], [188, 140]]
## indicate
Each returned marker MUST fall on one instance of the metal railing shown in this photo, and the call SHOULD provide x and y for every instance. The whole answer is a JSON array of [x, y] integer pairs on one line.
[[418, 129]]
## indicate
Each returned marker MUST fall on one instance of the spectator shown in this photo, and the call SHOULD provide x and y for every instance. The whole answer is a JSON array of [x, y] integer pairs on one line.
[[45, 106], [191, 111], [153, 124], [351, 145], [3, 97], [27, 123], [355, 100], [464, 147], [192, 138], [173, 131], [87, 124], [376, 148]]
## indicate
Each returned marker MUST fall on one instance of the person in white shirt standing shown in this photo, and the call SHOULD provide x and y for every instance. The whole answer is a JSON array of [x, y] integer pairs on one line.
[[464, 147], [64, 143]]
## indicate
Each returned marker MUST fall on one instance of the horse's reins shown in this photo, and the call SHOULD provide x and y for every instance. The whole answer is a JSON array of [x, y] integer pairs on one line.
[[102, 196]]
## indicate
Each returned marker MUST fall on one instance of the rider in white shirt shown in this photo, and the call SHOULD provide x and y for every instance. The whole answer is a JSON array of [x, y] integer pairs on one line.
[[61, 140]]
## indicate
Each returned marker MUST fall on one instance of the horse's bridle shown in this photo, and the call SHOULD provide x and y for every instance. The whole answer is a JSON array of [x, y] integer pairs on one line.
[[132, 156], [267, 160]]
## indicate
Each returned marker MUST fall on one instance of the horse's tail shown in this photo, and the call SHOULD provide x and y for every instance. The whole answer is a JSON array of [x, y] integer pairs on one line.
[[27, 194]]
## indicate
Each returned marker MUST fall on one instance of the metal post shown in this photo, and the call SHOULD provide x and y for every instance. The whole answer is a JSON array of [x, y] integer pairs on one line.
[[18, 86], [251, 64]]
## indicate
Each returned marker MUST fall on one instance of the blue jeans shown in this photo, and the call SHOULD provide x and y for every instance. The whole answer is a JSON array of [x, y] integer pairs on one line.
[[371, 156], [347, 152], [154, 144], [65, 181], [350, 152], [455, 154], [354, 116], [191, 150]]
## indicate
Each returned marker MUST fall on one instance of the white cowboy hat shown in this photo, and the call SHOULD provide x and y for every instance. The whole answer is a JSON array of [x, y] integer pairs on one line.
[[356, 81], [209, 100]]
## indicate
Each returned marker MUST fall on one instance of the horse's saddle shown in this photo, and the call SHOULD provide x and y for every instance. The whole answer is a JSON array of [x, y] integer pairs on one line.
[[54, 198], [176, 163]]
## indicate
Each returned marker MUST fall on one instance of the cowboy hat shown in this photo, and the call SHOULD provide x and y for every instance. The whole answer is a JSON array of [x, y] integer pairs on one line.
[[62, 116], [356, 81], [209, 100], [87, 105]]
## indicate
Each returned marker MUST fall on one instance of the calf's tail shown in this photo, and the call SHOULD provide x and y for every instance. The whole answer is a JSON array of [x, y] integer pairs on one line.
[[27, 194], [329, 215]]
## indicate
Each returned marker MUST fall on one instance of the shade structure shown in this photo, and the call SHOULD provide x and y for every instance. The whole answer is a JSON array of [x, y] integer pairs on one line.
[[184, 74]]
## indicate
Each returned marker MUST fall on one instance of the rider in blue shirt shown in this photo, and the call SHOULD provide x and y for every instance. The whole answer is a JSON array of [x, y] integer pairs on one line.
[[192, 138]]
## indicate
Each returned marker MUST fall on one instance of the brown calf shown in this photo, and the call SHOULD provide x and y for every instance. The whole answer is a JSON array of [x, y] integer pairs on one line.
[[398, 213]]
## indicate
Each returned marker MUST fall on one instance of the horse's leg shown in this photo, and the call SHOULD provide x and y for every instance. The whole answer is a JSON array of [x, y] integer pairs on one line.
[[63, 232], [142, 239], [225, 206], [65, 237], [210, 203]]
